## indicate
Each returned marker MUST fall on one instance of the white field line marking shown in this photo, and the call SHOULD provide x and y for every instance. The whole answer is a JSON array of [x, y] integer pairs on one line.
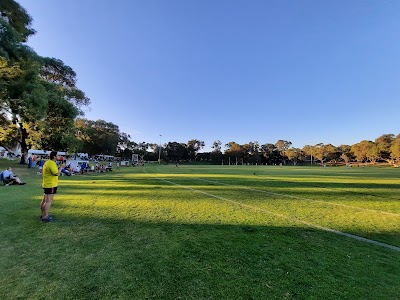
[[300, 198], [295, 197], [356, 237]]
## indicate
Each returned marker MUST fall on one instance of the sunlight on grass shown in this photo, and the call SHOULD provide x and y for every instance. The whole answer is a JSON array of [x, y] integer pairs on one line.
[[205, 233], [349, 201], [144, 197]]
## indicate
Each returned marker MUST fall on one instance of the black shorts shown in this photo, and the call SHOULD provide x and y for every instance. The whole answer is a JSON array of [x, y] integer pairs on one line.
[[49, 191]]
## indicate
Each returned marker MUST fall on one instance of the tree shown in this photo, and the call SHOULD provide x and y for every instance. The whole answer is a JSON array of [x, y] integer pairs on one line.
[[361, 149], [64, 102], [373, 152], [282, 146], [270, 153], [234, 150], [21, 94], [16, 17], [346, 153], [176, 151], [395, 150], [38, 95], [295, 155], [333, 154], [150, 155], [25, 100], [141, 148], [325, 152], [8, 72], [252, 153], [308, 151], [384, 143], [216, 155], [64, 78], [193, 146], [98, 137], [216, 146], [125, 146], [8, 133]]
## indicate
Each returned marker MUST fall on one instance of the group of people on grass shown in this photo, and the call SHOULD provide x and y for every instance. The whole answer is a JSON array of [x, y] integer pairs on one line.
[[79, 169], [36, 161], [85, 168], [103, 168]]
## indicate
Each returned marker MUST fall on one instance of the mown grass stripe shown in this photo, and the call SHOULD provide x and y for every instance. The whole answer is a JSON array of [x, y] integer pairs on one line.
[[328, 188], [356, 237], [300, 198], [296, 197]]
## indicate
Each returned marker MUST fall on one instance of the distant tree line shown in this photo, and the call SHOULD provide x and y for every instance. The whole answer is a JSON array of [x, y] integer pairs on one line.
[[385, 148], [102, 137]]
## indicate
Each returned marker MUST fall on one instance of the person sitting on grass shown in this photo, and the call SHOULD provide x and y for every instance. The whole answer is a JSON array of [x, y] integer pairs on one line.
[[77, 169], [66, 171], [69, 169], [108, 168], [84, 167], [10, 178]]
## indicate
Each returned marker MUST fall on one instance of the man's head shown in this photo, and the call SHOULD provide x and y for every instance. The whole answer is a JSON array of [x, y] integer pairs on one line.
[[53, 155], [9, 169]]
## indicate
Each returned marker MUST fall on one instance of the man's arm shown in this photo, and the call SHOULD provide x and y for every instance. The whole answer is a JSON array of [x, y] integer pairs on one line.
[[55, 170]]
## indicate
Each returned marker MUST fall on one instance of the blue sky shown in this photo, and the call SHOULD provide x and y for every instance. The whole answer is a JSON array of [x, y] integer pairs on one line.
[[304, 71]]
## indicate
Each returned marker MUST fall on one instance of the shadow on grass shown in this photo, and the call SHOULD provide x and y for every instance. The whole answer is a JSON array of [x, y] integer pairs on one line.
[[97, 190], [371, 190], [102, 258], [104, 253]]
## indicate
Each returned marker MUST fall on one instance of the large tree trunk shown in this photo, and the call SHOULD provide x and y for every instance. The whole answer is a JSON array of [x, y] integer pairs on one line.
[[24, 145]]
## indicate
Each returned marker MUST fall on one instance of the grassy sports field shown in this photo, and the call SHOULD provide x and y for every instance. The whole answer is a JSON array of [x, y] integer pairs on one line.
[[204, 232]]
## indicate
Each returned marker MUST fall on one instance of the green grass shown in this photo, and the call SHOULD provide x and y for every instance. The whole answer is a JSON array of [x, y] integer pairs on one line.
[[204, 232]]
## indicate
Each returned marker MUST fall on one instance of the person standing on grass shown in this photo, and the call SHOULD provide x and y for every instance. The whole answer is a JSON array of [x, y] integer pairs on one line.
[[50, 174]]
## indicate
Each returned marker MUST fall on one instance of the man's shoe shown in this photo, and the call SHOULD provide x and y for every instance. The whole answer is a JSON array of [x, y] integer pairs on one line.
[[49, 218]]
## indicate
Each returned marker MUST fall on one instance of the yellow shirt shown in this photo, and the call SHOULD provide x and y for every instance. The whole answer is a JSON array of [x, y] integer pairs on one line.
[[50, 174]]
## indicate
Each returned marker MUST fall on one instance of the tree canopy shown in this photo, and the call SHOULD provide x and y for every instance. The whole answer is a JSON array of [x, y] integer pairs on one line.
[[39, 97]]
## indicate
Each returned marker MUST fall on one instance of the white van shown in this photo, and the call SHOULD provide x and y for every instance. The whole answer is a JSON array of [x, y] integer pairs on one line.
[[44, 152]]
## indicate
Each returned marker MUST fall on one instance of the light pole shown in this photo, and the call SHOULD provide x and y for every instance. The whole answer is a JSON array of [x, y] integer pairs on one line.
[[159, 152]]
